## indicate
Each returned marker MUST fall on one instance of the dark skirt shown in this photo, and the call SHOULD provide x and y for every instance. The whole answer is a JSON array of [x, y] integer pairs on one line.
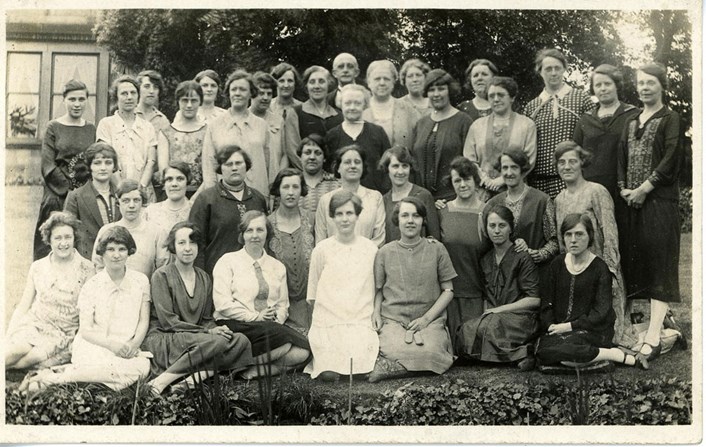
[[500, 337], [575, 346], [186, 352], [50, 202], [266, 335], [459, 311], [649, 241]]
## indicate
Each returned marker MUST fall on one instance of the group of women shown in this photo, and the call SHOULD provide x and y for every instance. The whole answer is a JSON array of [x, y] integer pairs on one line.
[[384, 238]]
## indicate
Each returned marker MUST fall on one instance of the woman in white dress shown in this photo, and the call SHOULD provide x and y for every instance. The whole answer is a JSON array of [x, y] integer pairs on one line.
[[342, 290], [176, 208], [114, 310]]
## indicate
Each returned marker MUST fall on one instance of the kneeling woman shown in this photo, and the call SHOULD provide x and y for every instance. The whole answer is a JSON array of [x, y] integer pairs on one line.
[[251, 297], [183, 336], [114, 310], [413, 280], [576, 311], [342, 290], [507, 327]]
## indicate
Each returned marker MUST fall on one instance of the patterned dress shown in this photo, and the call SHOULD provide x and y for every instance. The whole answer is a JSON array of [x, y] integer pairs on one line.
[[51, 322], [595, 201], [187, 147], [294, 251], [555, 117], [650, 235]]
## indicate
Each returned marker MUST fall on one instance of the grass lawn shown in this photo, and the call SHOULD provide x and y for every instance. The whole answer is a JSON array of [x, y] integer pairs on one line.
[[22, 206]]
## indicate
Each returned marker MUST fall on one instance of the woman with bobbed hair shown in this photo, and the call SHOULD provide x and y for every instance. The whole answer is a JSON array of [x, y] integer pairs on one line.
[[478, 76], [209, 81], [576, 315], [413, 281], [238, 127], [182, 336], [183, 140], [399, 165], [45, 320], [397, 117], [63, 157], [506, 330], [220, 208], [412, 76], [288, 80], [114, 310], [342, 290], [460, 222], [314, 155], [292, 242], [350, 166], [251, 297], [649, 163], [555, 113], [176, 208], [534, 228], [316, 115], [133, 138], [503, 129], [438, 138], [601, 129], [592, 199]]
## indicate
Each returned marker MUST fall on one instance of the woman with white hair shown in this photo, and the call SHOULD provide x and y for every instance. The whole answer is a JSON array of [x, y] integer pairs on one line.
[[397, 117]]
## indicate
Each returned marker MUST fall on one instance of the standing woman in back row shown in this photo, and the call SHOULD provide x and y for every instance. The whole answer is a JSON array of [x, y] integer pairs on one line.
[[63, 163], [555, 113], [438, 138], [478, 76], [648, 177]]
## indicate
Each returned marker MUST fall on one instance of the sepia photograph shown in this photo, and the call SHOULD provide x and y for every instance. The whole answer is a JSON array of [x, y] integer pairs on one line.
[[397, 222]]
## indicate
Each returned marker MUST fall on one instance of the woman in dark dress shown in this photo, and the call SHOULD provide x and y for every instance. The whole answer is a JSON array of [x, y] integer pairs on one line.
[[478, 76], [577, 315], [251, 297], [508, 326], [648, 177], [182, 336], [460, 223], [315, 115], [354, 130], [601, 129], [438, 138], [64, 167]]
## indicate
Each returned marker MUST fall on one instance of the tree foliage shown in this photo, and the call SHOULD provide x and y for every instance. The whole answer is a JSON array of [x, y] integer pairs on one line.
[[180, 43]]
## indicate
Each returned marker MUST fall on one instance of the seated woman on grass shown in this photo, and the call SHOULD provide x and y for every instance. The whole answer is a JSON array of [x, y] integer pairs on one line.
[[413, 280], [114, 310], [183, 337], [251, 297], [507, 328], [576, 311], [45, 321]]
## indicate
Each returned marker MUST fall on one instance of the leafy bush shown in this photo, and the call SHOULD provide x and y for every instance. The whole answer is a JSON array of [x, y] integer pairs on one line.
[[686, 209], [604, 402], [656, 401]]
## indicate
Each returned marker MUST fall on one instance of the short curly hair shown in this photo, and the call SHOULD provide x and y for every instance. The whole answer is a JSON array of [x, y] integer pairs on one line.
[[280, 69], [401, 153], [124, 78], [236, 76], [440, 77], [339, 159], [117, 235], [56, 219], [567, 146], [222, 156], [465, 169], [413, 63], [418, 204]]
